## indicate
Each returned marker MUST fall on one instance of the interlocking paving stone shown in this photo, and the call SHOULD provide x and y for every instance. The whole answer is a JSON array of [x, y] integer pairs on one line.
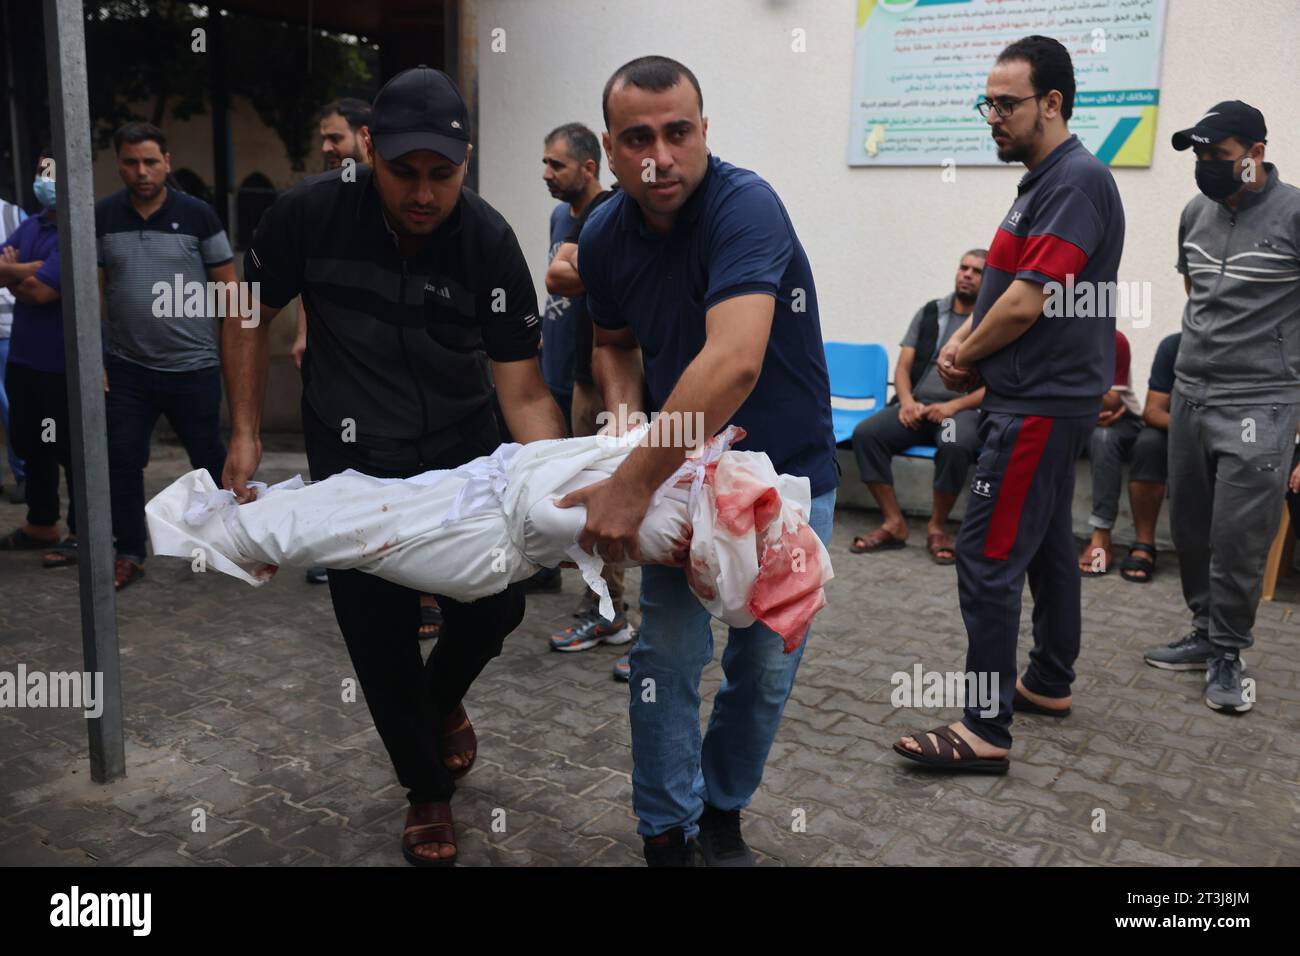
[[234, 704]]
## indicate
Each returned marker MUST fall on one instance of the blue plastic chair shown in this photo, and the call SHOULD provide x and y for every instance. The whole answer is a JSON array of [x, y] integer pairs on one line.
[[861, 371], [858, 371]]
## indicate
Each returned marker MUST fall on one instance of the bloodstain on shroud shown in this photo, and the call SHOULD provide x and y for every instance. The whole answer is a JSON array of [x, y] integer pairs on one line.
[[788, 592]]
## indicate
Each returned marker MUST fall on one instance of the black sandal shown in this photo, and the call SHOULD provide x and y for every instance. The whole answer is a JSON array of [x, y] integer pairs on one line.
[[1145, 565], [430, 621], [20, 540], [61, 555], [952, 753]]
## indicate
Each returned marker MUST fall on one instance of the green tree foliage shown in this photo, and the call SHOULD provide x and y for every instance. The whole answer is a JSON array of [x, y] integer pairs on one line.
[[144, 51]]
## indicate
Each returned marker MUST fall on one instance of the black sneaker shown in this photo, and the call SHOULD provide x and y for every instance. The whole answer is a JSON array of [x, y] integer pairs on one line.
[[720, 838], [317, 576], [673, 849]]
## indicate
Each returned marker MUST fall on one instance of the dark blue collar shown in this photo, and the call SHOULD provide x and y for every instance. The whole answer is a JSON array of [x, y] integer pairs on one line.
[[167, 204], [1050, 160]]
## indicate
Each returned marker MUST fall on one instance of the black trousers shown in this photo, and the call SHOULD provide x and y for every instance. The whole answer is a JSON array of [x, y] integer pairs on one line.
[[41, 435], [409, 697], [876, 440], [1018, 524]]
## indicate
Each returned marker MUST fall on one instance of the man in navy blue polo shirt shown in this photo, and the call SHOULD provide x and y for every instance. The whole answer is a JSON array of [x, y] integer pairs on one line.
[[1042, 339], [696, 266]]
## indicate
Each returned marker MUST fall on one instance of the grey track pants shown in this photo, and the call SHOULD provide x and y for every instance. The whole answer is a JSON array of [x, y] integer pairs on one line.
[[1228, 469]]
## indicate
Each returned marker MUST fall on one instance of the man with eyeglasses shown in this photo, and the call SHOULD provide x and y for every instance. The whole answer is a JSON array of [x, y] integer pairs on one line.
[[1044, 379]]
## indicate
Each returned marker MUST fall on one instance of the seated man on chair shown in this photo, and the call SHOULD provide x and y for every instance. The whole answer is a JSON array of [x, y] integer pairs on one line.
[[924, 411], [1114, 439], [1146, 480]]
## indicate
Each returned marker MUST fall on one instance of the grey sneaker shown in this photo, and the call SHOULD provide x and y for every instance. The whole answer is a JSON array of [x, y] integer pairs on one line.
[[1192, 653], [1223, 689]]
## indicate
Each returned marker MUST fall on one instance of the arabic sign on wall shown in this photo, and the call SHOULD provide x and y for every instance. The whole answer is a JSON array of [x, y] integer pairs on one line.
[[919, 66]]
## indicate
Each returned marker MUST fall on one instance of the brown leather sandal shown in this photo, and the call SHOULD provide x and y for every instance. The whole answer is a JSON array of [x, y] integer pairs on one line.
[[125, 573], [428, 823], [878, 540], [942, 548], [952, 753], [459, 739]]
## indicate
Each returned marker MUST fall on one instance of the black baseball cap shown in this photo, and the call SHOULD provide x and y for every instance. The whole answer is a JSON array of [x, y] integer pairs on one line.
[[420, 108], [1229, 118]]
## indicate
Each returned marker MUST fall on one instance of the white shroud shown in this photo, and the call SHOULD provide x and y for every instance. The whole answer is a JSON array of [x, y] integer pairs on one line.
[[468, 532]]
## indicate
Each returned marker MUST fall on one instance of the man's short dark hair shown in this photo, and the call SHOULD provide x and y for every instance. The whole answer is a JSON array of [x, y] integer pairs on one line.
[[139, 133], [355, 112], [1050, 67], [653, 73], [581, 141], [978, 253]]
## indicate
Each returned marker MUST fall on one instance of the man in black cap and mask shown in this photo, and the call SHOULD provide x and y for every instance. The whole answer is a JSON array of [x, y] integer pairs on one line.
[[1236, 399], [407, 276]]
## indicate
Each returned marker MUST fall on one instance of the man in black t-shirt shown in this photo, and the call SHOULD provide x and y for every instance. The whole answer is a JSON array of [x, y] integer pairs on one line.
[[1147, 474], [407, 277]]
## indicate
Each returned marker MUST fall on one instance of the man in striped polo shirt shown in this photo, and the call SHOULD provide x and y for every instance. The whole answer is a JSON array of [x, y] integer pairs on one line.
[[156, 247], [1045, 371]]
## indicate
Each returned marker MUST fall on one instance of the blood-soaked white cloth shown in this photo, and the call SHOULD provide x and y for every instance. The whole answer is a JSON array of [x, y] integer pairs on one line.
[[468, 532]]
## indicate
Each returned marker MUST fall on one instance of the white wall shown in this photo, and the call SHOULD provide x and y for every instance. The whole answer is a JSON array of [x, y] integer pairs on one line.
[[881, 240]]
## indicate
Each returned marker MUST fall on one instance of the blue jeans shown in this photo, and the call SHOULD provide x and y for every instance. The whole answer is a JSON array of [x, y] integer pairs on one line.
[[15, 463], [136, 397], [673, 775]]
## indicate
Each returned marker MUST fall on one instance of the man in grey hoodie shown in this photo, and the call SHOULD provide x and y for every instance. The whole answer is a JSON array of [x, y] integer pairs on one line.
[[1236, 399]]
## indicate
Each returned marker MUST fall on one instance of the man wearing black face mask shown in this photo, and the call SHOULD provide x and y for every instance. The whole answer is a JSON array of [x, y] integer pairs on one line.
[[1236, 399]]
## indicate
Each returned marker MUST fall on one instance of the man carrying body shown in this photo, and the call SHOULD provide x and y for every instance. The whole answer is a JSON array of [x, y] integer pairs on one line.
[[695, 268], [1236, 403], [1045, 380], [400, 272]]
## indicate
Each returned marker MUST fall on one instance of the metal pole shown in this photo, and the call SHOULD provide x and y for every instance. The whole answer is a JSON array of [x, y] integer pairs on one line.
[[65, 57]]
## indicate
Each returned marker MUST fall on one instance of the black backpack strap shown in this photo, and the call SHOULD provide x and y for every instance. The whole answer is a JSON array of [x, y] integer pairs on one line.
[[927, 339]]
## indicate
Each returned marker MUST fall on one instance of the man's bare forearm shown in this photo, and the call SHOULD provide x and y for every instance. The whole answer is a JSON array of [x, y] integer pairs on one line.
[[903, 383], [245, 354], [1010, 317], [535, 419], [619, 377], [13, 273], [712, 387], [968, 401]]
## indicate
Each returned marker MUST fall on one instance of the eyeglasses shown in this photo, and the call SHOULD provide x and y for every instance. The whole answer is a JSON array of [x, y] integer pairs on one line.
[[1003, 107]]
